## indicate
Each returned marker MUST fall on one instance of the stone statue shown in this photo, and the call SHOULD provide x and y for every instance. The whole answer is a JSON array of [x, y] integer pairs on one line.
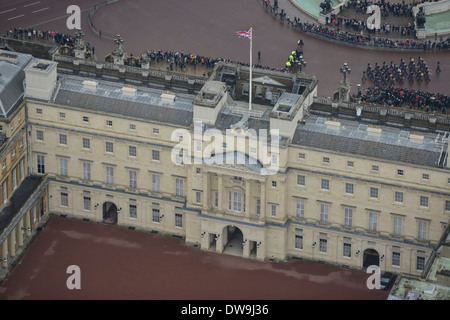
[[420, 19], [326, 6]]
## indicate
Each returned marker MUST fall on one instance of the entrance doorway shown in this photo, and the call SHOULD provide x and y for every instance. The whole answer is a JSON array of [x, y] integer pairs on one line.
[[109, 213], [371, 257], [234, 238]]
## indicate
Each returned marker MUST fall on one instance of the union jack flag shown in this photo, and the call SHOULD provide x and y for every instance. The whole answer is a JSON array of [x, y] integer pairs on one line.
[[245, 34]]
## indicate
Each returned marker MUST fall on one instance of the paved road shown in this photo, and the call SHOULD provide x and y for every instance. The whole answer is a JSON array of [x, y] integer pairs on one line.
[[123, 264], [208, 28]]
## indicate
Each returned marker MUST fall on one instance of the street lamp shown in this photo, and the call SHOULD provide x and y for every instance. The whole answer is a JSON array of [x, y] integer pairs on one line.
[[301, 63], [344, 70]]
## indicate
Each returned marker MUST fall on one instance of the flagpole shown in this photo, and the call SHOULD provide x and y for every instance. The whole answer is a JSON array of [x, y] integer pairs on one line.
[[250, 84]]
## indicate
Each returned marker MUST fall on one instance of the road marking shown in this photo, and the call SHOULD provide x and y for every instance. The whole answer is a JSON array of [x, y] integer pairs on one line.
[[41, 10], [16, 17], [31, 4], [7, 11]]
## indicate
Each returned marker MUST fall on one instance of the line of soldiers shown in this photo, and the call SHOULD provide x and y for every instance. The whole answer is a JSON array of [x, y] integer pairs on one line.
[[387, 75]]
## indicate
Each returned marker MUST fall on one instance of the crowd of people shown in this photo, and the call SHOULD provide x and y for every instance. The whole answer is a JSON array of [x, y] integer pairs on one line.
[[385, 28], [389, 75], [354, 38], [386, 8], [43, 35], [409, 99], [178, 61]]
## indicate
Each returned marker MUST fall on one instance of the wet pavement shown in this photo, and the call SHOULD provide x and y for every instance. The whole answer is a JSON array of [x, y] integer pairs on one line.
[[124, 264]]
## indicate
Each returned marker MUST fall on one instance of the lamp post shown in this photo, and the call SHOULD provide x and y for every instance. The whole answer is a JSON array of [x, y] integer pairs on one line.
[[344, 70], [301, 63], [345, 85]]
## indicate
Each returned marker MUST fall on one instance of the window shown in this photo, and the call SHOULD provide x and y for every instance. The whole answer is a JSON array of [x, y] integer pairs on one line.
[[274, 159], [300, 209], [447, 205], [13, 152], [62, 115], [39, 111], [198, 170], [398, 226], [237, 201], [350, 164], [216, 199], [326, 160], [253, 150], [40, 164], [109, 123], [155, 131], [396, 259], [400, 172], [374, 193], [14, 174], [198, 197], [348, 217], [375, 168], [179, 187], [4, 164], [425, 176], [132, 151], [325, 184], [424, 201], [86, 171], [198, 146], [298, 242], [258, 206], [5, 190], [63, 167], [21, 169], [301, 180], [373, 221], [301, 156], [349, 188], [420, 263], [63, 139], [86, 143], [155, 183], [109, 175], [323, 212], [133, 179], [274, 210], [133, 211], [398, 197], [86, 119], [274, 184], [178, 220], [109, 147], [155, 215], [132, 127], [34, 214], [64, 199], [87, 203], [155, 155], [21, 143], [423, 230], [347, 250], [39, 135], [323, 245]]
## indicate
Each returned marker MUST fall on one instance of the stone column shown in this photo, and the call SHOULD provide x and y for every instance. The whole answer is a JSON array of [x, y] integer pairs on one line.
[[12, 243], [221, 193], [27, 223], [206, 191], [263, 200], [5, 253], [247, 198], [20, 233], [246, 249]]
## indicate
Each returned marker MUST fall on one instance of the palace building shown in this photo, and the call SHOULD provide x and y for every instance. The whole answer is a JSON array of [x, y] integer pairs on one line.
[[92, 142]]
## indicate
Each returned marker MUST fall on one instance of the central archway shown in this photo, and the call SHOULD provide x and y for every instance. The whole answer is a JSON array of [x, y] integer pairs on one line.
[[234, 238], [109, 213], [371, 257]]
